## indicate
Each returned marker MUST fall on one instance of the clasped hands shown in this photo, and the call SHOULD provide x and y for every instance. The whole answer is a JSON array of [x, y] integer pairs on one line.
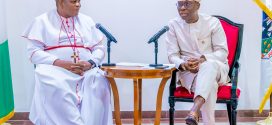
[[192, 64], [77, 68]]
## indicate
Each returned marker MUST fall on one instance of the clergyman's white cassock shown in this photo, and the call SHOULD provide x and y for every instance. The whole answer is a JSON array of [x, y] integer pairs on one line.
[[62, 97], [204, 37]]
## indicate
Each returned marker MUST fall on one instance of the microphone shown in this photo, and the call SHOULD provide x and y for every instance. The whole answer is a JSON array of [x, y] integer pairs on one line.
[[158, 34], [107, 34]]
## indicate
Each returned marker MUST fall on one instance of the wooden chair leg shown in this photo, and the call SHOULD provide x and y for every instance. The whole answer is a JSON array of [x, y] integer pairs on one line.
[[234, 112], [229, 113], [171, 111]]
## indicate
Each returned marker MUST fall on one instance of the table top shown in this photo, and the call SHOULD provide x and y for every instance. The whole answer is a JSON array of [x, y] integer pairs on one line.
[[136, 72]]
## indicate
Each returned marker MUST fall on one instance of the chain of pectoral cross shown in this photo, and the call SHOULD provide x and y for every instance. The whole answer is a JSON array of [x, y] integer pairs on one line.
[[75, 55]]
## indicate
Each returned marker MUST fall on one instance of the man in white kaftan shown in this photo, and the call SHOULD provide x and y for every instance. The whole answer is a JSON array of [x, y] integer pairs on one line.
[[196, 44], [70, 88]]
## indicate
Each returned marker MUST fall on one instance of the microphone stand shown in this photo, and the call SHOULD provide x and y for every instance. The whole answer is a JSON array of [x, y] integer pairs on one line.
[[108, 51], [156, 55]]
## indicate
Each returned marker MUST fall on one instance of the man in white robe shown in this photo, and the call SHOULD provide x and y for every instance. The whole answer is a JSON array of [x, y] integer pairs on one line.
[[66, 48], [196, 44]]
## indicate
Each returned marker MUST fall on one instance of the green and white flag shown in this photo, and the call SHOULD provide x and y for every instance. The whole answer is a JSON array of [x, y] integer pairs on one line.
[[6, 93]]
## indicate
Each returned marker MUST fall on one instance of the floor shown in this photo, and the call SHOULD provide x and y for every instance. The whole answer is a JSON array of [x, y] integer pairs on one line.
[[241, 121]]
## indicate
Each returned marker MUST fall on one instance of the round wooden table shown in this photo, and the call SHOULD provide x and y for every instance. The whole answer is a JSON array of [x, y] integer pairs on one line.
[[137, 74]]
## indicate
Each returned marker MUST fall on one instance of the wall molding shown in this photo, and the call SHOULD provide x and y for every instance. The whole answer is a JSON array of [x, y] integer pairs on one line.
[[178, 114]]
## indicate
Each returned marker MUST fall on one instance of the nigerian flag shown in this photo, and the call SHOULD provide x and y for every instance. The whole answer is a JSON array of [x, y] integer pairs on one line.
[[266, 51], [6, 94]]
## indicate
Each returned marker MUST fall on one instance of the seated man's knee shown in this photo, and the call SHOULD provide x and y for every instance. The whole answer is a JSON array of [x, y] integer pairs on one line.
[[102, 80], [209, 65], [102, 86]]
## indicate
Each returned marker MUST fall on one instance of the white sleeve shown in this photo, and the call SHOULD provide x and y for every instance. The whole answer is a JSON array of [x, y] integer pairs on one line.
[[98, 51], [219, 43], [37, 55], [173, 49], [98, 54]]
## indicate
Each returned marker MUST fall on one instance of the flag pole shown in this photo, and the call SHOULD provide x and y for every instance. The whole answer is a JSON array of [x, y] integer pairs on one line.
[[264, 8]]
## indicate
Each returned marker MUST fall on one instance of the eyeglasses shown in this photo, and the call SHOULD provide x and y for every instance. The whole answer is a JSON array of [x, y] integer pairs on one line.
[[75, 1], [186, 4]]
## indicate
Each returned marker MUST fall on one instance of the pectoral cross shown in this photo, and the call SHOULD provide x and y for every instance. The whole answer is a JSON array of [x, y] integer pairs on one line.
[[75, 57]]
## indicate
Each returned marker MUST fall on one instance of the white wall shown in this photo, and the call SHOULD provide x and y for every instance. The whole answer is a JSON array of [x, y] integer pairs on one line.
[[3, 33], [133, 23]]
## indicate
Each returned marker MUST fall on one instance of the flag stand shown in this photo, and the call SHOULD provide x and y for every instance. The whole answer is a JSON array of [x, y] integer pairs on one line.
[[6, 124], [270, 103]]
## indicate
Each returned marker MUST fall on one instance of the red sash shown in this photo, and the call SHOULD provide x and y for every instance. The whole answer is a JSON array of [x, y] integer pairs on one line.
[[63, 46]]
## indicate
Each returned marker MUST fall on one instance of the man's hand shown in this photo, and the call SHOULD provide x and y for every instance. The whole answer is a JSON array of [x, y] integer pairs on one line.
[[192, 65], [77, 68], [86, 65]]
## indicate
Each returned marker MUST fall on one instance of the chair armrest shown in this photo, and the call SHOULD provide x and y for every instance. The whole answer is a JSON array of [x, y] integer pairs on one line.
[[172, 86], [234, 79]]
